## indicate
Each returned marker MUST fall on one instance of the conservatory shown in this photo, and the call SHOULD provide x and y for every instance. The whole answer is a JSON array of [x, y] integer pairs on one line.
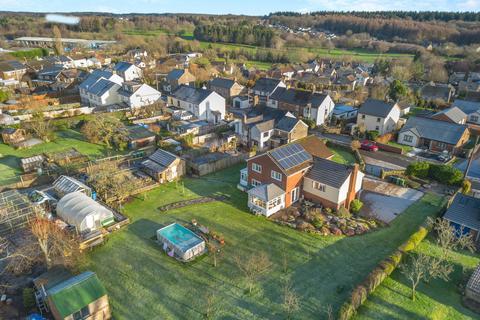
[[84, 213]]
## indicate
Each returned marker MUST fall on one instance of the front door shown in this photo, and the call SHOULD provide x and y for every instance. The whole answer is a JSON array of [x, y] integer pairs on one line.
[[295, 194]]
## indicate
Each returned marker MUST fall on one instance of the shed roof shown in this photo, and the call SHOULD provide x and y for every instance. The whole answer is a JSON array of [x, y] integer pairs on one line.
[[139, 132], [473, 283], [453, 113], [75, 293], [437, 130], [65, 184], [465, 211], [163, 157]]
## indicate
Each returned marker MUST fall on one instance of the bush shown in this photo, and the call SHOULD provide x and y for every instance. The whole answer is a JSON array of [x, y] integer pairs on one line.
[[317, 223], [372, 135], [446, 174], [310, 123], [418, 169], [343, 213], [28, 299], [355, 206]]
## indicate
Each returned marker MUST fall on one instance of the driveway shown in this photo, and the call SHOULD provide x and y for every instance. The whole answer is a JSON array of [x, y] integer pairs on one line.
[[386, 201]]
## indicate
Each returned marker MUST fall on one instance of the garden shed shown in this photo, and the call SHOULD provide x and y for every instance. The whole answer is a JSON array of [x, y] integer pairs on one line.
[[31, 164], [472, 290], [83, 212], [64, 185], [180, 242]]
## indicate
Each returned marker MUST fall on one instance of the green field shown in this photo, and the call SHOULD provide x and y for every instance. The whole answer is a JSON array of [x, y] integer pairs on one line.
[[10, 157], [435, 300], [143, 283]]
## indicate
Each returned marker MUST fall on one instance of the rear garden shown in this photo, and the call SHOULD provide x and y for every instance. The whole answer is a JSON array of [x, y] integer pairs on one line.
[[144, 283]]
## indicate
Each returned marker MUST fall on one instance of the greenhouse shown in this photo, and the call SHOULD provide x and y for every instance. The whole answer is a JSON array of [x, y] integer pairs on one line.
[[83, 212], [64, 185]]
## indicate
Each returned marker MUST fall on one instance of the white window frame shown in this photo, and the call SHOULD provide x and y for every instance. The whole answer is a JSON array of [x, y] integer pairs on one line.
[[407, 138], [256, 183], [256, 167], [276, 175], [319, 186]]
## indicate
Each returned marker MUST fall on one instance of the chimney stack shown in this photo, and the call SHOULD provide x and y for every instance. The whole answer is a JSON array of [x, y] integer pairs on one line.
[[351, 187]]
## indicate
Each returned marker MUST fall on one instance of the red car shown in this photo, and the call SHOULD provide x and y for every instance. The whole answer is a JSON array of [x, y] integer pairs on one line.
[[369, 146]]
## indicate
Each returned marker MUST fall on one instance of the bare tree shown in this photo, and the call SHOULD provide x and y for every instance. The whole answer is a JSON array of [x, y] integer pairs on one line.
[[41, 127], [291, 301], [55, 243], [105, 129], [421, 267], [253, 267], [212, 305], [16, 260], [449, 239], [58, 40], [214, 251]]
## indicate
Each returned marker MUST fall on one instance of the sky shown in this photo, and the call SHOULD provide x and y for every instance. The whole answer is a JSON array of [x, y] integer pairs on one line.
[[249, 7]]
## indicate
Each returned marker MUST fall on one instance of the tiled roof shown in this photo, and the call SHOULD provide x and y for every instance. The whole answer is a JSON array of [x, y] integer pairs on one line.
[[266, 192], [329, 172], [222, 83], [467, 107], [298, 97], [437, 130], [191, 94], [454, 114], [175, 74], [465, 211], [376, 108], [102, 86], [287, 123], [122, 66], [266, 84]]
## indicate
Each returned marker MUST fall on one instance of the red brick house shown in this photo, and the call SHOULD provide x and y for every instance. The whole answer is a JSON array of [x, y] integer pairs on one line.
[[282, 176]]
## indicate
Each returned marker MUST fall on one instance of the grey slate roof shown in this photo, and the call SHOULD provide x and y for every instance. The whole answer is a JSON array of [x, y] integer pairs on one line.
[[264, 125], [266, 84], [191, 94], [298, 97], [175, 74], [287, 124], [376, 108], [222, 83], [163, 157], [139, 132], [465, 211], [453, 113], [437, 130], [102, 86], [11, 65], [94, 77], [122, 66], [266, 192], [329, 172], [436, 92], [467, 107]]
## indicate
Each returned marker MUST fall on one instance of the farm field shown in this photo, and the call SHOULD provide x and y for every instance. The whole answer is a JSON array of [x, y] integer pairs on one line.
[[435, 300], [10, 157], [144, 283]]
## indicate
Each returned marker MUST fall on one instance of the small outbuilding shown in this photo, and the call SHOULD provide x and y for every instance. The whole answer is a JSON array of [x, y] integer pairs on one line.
[[164, 166], [84, 213], [140, 137], [472, 290], [180, 242], [31, 164], [65, 185], [464, 215], [13, 136]]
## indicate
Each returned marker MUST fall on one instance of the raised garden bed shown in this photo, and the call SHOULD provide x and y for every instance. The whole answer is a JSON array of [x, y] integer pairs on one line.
[[181, 204]]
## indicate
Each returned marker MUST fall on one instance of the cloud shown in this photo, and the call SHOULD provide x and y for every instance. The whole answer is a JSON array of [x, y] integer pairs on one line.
[[59, 18]]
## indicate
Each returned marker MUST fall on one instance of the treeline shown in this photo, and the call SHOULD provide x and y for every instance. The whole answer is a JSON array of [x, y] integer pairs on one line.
[[445, 16], [241, 34], [393, 29]]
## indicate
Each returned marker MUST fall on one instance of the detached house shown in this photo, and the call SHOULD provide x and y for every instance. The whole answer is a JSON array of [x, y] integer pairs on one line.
[[201, 103], [12, 70], [453, 114], [435, 135], [137, 95], [310, 105], [470, 108], [227, 88], [378, 115], [178, 77], [128, 71], [88, 95], [282, 176], [263, 89]]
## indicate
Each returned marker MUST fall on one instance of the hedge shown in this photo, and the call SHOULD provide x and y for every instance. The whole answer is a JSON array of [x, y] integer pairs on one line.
[[379, 274], [442, 173]]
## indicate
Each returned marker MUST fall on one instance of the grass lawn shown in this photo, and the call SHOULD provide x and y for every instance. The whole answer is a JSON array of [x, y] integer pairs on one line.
[[10, 157], [143, 283], [435, 300], [342, 156]]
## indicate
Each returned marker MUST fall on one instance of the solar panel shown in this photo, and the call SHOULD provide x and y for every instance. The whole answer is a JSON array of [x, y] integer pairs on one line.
[[290, 155]]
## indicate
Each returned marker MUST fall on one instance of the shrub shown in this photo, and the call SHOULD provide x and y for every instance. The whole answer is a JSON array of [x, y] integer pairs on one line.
[[310, 123], [28, 298], [372, 135], [343, 213], [317, 223], [466, 186], [355, 206], [346, 311], [418, 169], [445, 174]]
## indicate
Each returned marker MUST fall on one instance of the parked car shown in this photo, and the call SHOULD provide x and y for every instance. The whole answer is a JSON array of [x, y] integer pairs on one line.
[[369, 146], [444, 156]]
